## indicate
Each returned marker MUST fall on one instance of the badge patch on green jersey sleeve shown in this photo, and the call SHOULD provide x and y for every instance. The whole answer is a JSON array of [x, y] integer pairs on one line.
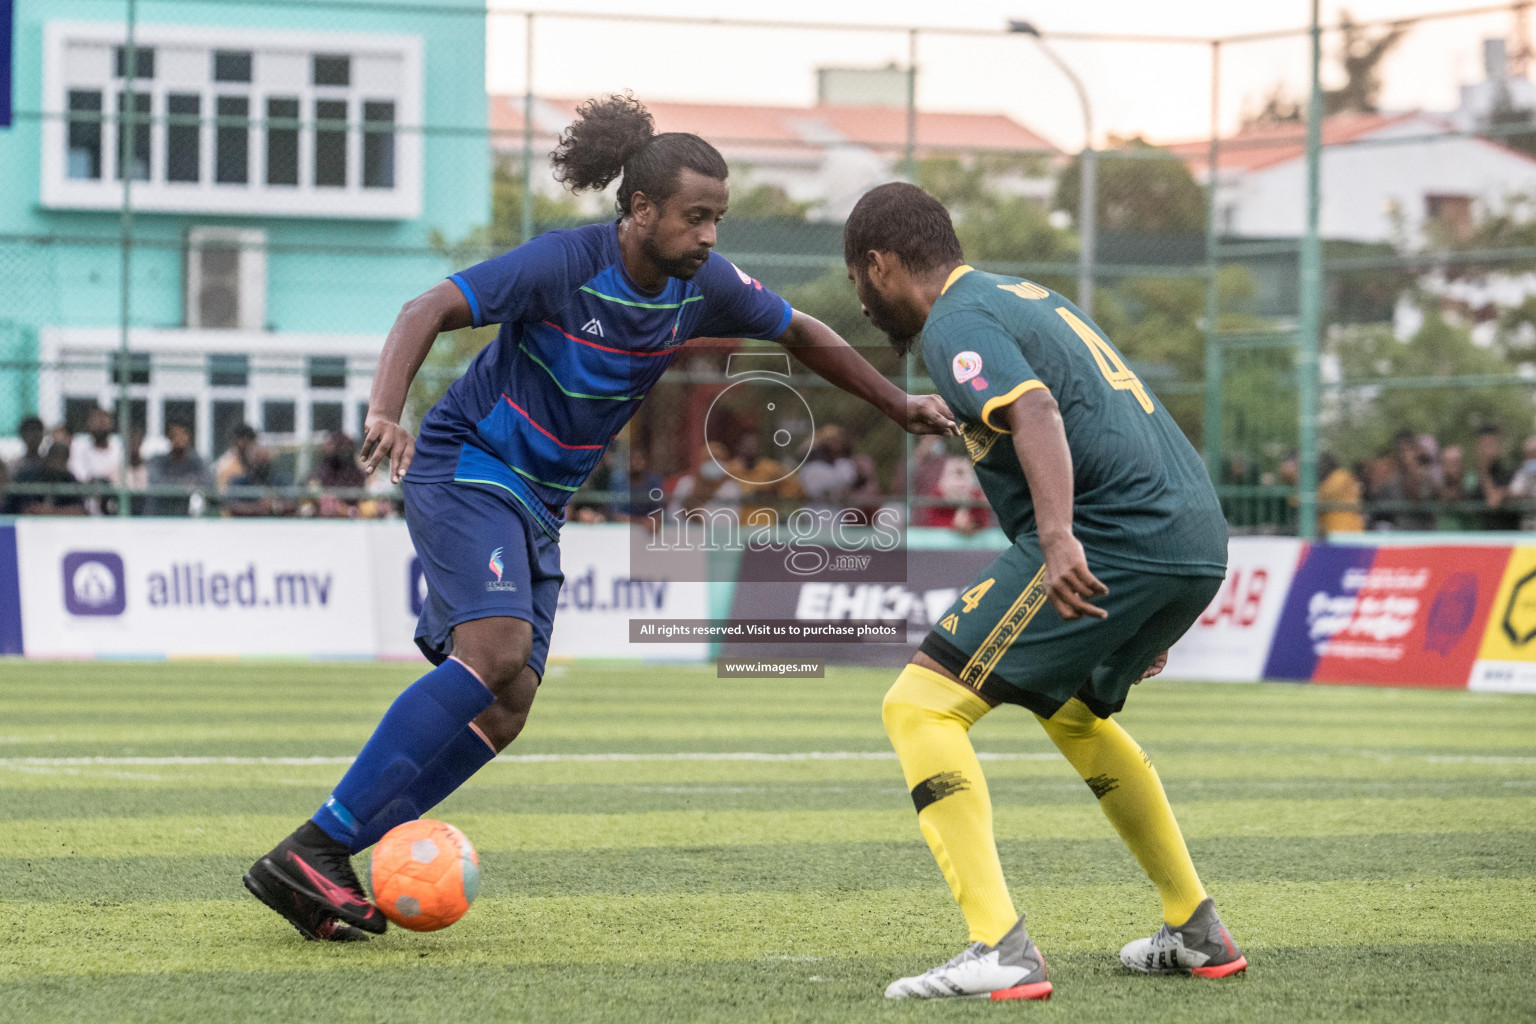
[[966, 365]]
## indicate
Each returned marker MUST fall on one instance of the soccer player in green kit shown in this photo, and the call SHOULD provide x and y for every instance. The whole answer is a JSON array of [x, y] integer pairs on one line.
[[1119, 544]]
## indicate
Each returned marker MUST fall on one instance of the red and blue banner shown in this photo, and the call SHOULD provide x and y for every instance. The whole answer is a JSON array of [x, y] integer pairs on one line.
[[1389, 616]]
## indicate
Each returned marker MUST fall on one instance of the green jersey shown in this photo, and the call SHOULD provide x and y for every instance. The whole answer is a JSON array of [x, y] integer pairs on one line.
[[1142, 498]]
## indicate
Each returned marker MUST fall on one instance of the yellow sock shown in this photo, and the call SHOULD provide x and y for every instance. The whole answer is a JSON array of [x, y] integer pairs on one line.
[[1132, 798], [928, 719]]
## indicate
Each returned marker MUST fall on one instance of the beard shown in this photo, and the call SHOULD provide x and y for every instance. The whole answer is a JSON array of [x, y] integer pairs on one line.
[[885, 317], [901, 341], [682, 267]]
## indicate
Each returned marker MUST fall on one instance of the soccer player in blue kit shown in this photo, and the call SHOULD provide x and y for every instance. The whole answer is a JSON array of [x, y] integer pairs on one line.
[[590, 318]]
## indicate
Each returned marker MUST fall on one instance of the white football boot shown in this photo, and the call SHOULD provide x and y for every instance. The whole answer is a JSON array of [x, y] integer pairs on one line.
[[1012, 969], [1200, 946]]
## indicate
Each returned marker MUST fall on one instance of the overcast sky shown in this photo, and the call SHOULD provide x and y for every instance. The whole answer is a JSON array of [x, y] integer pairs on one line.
[[1160, 91]]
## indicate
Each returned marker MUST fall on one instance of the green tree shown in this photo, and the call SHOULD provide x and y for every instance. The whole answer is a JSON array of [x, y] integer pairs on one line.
[[1506, 226], [1506, 120], [1361, 55], [1009, 233], [1146, 190], [764, 201], [1364, 417], [505, 231], [831, 299], [1360, 58]]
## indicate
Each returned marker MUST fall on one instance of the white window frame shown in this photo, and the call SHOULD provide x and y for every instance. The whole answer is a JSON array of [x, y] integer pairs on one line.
[[353, 201], [178, 369], [251, 303]]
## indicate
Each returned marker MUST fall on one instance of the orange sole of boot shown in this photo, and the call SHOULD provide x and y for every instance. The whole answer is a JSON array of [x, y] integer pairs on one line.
[[1237, 966], [1038, 990]]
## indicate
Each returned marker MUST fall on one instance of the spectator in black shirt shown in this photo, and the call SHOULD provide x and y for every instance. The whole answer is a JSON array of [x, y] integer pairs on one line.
[[258, 472], [31, 432], [53, 469], [1411, 485], [181, 465], [1493, 477], [27, 468]]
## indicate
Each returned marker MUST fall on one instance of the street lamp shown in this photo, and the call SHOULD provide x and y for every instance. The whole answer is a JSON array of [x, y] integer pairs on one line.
[[1087, 224]]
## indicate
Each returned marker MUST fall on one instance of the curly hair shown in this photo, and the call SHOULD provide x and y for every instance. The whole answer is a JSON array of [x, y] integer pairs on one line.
[[615, 136], [901, 219]]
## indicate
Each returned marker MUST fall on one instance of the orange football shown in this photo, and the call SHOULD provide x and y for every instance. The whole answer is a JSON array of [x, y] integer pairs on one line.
[[424, 874]]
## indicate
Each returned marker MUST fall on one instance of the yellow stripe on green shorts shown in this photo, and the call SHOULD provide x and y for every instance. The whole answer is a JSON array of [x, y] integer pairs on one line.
[[1007, 630]]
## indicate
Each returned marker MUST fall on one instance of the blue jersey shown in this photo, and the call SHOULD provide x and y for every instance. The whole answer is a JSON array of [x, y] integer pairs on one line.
[[579, 348]]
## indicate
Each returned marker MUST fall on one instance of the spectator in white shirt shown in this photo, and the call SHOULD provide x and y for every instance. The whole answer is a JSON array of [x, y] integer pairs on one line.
[[96, 456]]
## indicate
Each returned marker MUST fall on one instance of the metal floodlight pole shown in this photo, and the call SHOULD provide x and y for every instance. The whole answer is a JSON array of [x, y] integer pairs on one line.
[[526, 230], [909, 158], [127, 125], [1087, 214], [1311, 305]]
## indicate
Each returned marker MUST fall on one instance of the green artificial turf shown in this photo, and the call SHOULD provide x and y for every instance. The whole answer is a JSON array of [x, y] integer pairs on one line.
[[1373, 849]]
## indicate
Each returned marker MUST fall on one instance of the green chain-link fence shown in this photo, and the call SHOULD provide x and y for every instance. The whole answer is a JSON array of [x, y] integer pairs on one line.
[[296, 171]]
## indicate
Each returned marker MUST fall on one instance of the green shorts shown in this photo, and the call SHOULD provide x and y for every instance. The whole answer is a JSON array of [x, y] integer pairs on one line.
[[1002, 636]]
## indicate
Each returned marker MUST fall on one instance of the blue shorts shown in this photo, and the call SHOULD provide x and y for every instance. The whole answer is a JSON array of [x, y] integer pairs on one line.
[[482, 559]]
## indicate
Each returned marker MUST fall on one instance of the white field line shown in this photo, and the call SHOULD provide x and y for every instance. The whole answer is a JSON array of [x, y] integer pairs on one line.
[[1477, 759], [170, 761], [24, 763]]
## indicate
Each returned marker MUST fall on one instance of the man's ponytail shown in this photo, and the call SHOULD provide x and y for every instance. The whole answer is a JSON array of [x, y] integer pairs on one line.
[[614, 136], [605, 134]]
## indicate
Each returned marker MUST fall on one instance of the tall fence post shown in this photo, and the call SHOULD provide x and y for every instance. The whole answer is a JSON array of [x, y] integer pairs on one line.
[[1213, 361], [1311, 305], [909, 155], [526, 228], [1088, 232], [127, 124]]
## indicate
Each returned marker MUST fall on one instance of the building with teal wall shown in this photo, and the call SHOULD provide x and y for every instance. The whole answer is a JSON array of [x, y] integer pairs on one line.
[[290, 168]]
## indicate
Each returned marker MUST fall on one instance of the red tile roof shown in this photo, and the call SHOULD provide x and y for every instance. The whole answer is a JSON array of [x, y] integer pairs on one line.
[[745, 128], [1266, 145]]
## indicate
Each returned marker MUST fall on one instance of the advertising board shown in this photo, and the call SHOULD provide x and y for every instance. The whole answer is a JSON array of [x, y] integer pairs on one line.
[[1394, 616], [934, 579], [111, 587], [1231, 641], [102, 587], [599, 597], [1506, 662]]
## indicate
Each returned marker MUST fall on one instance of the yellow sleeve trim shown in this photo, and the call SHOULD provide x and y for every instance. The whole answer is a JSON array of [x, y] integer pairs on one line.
[[1002, 401], [955, 275]]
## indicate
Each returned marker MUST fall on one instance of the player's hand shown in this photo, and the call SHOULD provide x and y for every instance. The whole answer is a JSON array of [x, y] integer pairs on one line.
[[927, 414], [1068, 582], [383, 438], [1158, 664]]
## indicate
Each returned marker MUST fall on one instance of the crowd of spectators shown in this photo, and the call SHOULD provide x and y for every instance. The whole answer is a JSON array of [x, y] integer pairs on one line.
[[83, 474], [1420, 485], [1416, 485], [831, 477]]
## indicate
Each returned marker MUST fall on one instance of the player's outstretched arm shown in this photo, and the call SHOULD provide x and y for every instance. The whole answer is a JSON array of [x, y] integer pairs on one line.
[[421, 320], [823, 351], [1041, 443]]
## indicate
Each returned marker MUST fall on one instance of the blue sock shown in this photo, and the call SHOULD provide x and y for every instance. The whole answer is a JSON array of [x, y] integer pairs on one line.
[[422, 721], [464, 755]]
